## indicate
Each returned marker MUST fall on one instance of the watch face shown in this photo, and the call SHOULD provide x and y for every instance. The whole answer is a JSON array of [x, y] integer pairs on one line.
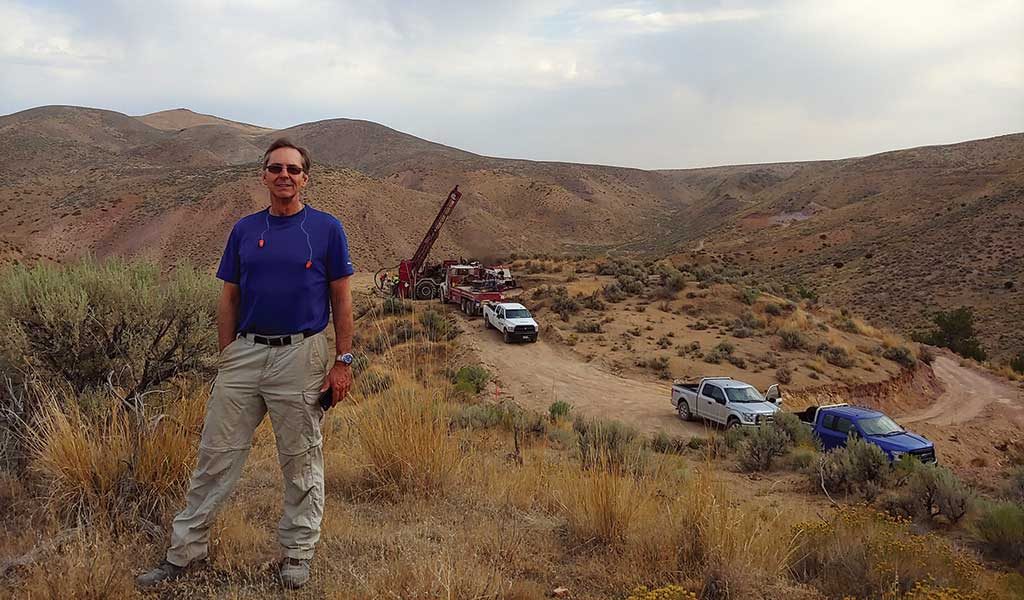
[[345, 358]]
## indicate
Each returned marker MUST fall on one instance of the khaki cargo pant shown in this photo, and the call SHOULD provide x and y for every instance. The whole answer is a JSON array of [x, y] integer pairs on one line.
[[255, 379]]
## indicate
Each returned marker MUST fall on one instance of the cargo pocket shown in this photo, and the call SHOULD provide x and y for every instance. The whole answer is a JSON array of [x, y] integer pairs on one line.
[[296, 422]]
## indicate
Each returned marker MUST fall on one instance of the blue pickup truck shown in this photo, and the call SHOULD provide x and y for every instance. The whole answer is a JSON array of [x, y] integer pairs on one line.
[[835, 423]]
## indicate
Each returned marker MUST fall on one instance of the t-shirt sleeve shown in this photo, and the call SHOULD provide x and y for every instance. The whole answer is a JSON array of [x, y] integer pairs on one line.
[[339, 264], [230, 269]]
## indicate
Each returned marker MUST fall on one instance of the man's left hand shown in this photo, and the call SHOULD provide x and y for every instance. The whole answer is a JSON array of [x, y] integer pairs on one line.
[[339, 379]]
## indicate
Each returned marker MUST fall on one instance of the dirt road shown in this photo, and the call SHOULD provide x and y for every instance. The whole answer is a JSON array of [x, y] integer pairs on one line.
[[968, 393], [538, 374]]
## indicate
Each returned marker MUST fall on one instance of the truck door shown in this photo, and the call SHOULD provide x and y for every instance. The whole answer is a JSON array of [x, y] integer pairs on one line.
[[834, 431], [714, 404]]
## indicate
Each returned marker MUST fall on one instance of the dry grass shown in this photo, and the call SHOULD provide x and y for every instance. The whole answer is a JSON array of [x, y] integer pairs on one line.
[[119, 463], [415, 510], [406, 438]]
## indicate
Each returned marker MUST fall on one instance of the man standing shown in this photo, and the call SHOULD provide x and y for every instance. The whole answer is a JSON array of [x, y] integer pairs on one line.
[[285, 269]]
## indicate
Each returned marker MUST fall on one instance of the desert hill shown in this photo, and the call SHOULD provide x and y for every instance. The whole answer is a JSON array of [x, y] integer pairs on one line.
[[893, 235], [183, 118]]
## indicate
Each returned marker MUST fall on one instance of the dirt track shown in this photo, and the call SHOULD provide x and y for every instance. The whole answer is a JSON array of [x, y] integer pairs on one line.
[[536, 375], [968, 393], [972, 422]]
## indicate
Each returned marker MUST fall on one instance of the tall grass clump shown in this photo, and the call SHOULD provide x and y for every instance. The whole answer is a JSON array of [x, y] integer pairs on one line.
[[90, 321], [111, 462], [407, 440]]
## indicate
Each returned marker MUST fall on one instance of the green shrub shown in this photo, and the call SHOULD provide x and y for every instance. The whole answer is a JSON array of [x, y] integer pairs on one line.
[[359, 363], [795, 430], [901, 355], [437, 327], [859, 468], [563, 304], [1015, 486], [663, 443], [559, 409], [836, 355], [762, 447], [587, 327], [1017, 364], [749, 295], [630, 285], [373, 382], [480, 416], [802, 458], [697, 443], [84, 322], [713, 357], [609, 444], [793, 339], [735, 436], [655, 363], [593, 301], [935, 490], [1000, 529], [955, 330], [675, 281], [472, 379], [395, 306]]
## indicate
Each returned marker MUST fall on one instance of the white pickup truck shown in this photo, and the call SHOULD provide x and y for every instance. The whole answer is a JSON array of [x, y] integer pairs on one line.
[[512, 320], [726, 401]]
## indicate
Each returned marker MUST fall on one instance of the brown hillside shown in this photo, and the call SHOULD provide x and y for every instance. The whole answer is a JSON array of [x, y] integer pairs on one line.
[[183, 118], [913, 230]]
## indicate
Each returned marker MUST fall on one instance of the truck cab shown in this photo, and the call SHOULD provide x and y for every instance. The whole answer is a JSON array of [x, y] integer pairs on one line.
[[726, 401], [835, 424], [513, 320]]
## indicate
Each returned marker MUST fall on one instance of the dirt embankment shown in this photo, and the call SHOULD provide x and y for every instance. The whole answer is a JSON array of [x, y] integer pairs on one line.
[[907, 392]]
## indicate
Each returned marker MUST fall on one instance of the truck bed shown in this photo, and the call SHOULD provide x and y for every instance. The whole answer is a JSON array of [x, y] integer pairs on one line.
[[808, 415]]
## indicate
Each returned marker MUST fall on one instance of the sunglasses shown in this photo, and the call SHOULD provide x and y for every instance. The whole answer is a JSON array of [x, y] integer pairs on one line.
[[276, 169]]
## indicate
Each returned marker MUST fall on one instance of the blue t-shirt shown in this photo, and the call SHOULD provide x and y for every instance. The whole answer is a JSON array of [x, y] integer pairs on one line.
[[279, 294]]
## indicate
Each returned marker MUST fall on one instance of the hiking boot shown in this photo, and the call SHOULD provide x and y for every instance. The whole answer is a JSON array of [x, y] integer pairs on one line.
[[165, 571], [294, 572]]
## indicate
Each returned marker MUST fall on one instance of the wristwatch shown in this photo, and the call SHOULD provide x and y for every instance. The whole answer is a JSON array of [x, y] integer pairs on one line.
[[345, 359]]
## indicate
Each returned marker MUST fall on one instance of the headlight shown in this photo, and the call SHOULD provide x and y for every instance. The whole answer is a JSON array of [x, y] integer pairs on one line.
[[747, 417]]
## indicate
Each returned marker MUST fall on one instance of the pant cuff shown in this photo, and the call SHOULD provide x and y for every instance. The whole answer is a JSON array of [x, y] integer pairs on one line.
[[298, 554]]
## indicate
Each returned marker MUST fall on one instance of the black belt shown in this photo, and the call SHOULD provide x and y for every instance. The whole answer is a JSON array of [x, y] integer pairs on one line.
[[278, 340]]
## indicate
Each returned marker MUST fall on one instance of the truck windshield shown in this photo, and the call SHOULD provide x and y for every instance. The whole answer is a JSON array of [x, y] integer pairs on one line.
[[743, 394], [517, 313], [880, 426]]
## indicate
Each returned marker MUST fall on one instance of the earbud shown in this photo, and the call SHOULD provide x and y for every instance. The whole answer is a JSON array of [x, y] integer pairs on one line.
[[261, 242], [309, 264]]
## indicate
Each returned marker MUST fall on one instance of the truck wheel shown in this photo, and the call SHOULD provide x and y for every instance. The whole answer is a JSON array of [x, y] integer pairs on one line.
[[684, 410], [426, 289], [508, 338], [732, 422], [487, 323]]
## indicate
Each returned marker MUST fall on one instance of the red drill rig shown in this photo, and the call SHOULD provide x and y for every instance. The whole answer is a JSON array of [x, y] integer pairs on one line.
[[418, 281]]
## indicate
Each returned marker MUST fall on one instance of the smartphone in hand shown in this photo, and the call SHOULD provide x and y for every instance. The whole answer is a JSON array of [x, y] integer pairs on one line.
[[325, 399]]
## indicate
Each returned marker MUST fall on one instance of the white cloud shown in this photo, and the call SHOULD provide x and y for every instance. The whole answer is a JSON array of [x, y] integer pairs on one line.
[[657, 21], [641, 84]]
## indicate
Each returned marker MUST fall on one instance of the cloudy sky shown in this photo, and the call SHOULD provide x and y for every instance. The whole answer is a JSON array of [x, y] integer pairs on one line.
[[644, 84]]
